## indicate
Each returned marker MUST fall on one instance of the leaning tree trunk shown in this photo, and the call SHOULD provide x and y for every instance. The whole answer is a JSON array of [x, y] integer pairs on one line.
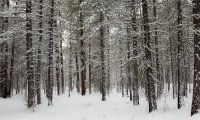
[[149, 73], [196, 88]]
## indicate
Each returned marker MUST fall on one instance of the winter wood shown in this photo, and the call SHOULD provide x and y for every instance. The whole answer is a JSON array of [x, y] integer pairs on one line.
[[138, 48]]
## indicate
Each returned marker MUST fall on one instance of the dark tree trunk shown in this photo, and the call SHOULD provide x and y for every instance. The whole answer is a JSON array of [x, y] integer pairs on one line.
[[171, 62], [17, 83], [128, 64], [1, 53], [159, 89], [77, 74], [196, 88], [83, 59], [90, 71], [62, 68], [180, 37], [57, 58], [108, 74], [38, 64], [149, 73], [135, 64], [5, 84], [30, 68], [50, 55], [70, 69], [121, 72], [12, 60], [107, 32], [103, 80], [57, 67]]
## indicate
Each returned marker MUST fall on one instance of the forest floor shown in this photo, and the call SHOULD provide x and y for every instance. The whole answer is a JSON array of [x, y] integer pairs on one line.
[[90, 107]]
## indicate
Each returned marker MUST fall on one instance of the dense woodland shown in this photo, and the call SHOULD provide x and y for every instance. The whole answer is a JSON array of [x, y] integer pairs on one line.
[[100, 46]]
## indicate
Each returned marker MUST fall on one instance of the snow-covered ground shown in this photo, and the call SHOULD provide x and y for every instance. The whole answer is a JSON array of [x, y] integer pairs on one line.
[[90, 107]]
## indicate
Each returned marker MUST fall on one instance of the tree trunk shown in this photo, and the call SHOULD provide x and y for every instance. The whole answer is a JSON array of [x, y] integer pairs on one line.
[[70, 68], [62, 68], [83, 59], [180, 37], [159, 89], [196, 88], [50, 55], [121, 74], [77, 74], [90, 71], [103, 81], [57, 68], [108, 71], [38, 64], [30, 68], [5, 84], [128, 64], [149, 73], [12, 64], [135, 64]]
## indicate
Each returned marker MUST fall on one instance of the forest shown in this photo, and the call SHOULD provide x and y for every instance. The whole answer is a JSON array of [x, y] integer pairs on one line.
[[100, 59]]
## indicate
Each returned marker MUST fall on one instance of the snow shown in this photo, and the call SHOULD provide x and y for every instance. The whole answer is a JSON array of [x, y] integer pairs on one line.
[[90, 107]]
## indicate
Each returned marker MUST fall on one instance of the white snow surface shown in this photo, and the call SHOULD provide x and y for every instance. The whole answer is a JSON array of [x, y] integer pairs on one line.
[[90, 107]]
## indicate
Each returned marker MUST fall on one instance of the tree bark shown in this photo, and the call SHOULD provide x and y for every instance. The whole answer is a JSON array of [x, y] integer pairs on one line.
[[103, 81], [196, 88], [62, 67], [90, 71], [83, 58], [30, 68], [135, 50], [180, 37], [149, 73], [50, 55], [77, 74], [128, 63], [39, 52]]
